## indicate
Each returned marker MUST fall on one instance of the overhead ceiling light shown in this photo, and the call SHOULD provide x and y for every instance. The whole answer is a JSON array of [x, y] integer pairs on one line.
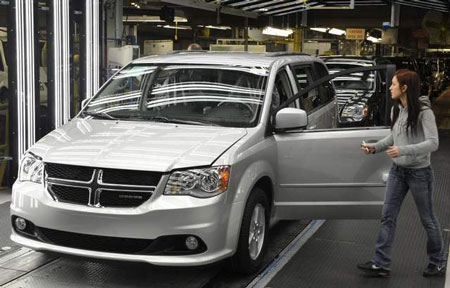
[[175, 27], [150, 19], [215, 27], [335, 31], [373, 39], [323, 30], [277, 32]]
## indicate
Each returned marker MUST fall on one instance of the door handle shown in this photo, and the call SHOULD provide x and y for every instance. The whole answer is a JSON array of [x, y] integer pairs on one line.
[[312, 127]]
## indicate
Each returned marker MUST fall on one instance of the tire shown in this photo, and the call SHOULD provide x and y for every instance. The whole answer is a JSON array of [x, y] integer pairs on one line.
[[245, 260]]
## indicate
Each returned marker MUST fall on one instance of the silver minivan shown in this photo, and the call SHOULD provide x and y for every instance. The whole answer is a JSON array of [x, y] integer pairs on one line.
[[183, 160]]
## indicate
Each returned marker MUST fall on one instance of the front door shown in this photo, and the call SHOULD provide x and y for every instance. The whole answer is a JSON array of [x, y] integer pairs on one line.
[[324, 174]]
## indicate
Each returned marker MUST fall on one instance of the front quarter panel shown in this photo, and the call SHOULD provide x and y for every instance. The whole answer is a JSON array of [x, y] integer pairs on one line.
[[251, 160]]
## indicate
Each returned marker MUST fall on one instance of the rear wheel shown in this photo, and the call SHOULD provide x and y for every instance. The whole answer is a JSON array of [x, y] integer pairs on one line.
[[254, 233]]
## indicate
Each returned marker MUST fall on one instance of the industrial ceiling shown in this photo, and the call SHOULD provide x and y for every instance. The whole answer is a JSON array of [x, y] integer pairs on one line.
[[284, 7]]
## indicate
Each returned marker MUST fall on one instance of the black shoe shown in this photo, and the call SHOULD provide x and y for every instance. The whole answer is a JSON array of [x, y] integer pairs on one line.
[[374, 270], [434, 270]]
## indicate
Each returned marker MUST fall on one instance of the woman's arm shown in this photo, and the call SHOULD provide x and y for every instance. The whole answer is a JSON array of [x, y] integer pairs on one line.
[[431, 142], [384, 143]]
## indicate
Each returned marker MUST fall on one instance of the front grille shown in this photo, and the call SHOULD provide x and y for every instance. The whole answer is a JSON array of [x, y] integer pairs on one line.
[[96, 243], [109, 187], [125, 177], [69, 172], [112, 198], [70, 194]]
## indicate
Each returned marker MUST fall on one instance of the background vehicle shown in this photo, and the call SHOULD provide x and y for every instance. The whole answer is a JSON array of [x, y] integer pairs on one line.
[[360, 95]]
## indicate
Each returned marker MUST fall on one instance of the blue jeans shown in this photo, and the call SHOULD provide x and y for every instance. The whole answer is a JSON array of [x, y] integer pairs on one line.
[[420, 183]]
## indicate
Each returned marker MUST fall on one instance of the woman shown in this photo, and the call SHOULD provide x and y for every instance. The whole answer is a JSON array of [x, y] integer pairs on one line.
[[413, 137]]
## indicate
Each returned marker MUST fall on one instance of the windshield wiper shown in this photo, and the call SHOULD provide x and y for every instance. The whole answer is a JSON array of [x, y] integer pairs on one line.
[[176, 121], [101, 115]]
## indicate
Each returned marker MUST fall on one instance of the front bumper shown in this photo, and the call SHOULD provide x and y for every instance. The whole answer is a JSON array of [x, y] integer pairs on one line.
[[158, 217]]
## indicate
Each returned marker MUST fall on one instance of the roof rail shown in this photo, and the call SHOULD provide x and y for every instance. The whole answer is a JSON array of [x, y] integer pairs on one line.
[[277, 54], [187, 51]]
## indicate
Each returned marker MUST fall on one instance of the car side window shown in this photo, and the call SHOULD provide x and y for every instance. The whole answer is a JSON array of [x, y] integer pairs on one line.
[[282, 90], [326, 90], [304, 78]]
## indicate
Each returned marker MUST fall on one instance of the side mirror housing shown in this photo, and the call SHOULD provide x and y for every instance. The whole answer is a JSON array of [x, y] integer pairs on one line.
[[291, 118]]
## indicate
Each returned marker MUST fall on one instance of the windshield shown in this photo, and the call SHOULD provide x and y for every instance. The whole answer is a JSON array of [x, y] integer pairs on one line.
[[191, 94], [354, 81]]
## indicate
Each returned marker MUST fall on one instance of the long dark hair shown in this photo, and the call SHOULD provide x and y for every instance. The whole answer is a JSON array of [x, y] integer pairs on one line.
[[412, 80]]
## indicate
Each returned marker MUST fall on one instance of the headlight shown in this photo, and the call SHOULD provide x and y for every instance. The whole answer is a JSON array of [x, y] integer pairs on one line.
[[202, 183], [356, 112], [31, 169]]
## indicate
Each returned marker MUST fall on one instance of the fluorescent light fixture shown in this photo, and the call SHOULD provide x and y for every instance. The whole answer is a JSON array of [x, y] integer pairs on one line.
[[323, 30], [335, 31], [438, 50], [92, 48], [30, 96], [277, 32], [373, 39], [175, 27], [215, 27], [61, 62], [152, 19], [96, 44], [26, 97], [66, 59], [21, 85]]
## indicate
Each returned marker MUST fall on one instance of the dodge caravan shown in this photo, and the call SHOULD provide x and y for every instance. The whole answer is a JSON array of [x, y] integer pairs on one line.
[[183, 159]]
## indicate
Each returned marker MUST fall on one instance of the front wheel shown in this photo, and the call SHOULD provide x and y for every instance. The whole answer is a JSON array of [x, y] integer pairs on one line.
[[254, 233]]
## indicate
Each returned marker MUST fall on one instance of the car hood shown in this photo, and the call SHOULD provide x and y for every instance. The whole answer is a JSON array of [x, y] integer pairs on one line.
[[148, 146]]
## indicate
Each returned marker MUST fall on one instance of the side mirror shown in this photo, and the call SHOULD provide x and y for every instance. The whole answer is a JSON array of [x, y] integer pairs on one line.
[[291, 118], [84, 102]]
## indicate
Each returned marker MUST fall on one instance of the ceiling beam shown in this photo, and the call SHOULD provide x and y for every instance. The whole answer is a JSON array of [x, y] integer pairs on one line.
[[198, 4]]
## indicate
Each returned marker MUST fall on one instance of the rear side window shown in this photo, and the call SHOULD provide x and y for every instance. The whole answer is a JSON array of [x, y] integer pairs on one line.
[[326, 89], [303, 77]]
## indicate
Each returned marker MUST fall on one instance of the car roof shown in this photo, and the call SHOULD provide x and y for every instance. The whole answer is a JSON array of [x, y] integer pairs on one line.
[[350, 60], [245, 59]]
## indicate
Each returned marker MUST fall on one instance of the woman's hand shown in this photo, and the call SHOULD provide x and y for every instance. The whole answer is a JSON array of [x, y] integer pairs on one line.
[[367, 149], [392, 151]]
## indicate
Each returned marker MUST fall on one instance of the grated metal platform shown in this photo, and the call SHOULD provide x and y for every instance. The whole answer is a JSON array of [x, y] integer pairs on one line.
[[5, 226], [329, 258]]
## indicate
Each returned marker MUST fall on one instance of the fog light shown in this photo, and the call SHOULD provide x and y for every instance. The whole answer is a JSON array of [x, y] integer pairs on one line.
[[20, 223], [191, 243]]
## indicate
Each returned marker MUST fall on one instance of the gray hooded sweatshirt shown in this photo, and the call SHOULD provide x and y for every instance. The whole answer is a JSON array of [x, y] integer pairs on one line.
[[414, 148]]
